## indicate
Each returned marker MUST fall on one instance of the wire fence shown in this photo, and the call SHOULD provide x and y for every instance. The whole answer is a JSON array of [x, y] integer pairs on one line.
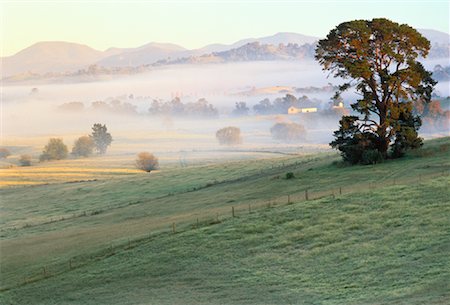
[[211, 216]]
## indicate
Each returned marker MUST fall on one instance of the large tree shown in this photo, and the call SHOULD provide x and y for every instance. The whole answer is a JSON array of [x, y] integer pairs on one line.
[[379, 58]]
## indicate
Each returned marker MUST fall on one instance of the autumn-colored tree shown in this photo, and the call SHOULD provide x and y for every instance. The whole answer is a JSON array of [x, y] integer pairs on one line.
[[147, 161], [83, 146], [379, 57]]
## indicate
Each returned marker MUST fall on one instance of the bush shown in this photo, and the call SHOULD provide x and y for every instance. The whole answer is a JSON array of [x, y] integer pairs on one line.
[[83, 147], [290, 175], [4, 153], [288, 132], [229, 136], [54, 150], [147, 161], [25, 160], [371, 156]]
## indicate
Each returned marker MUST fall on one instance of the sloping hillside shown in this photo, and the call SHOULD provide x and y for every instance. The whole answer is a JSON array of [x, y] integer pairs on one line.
[[379, 234]]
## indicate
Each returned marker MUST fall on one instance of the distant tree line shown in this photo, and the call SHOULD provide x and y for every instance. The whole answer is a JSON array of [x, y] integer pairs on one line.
[[201, 108], [113, 106], [281, 105]]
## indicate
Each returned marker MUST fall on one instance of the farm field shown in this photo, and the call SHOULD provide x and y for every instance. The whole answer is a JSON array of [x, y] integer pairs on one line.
[[82, 239]]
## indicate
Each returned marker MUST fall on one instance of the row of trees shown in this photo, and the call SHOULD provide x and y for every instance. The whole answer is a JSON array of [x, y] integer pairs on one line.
[[279, 105], [114, 106], [175, 107], [201, 108], [97, 141]]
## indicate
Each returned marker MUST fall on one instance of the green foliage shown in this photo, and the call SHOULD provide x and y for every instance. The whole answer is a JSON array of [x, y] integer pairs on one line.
[[229, 136], [406, 135], [4, 153], [352, 142], [54, 150], [102, 138], [83, 147], [371, 156], [147, 162], [25, 160], [380, 56], [288, 132], [290, 175]]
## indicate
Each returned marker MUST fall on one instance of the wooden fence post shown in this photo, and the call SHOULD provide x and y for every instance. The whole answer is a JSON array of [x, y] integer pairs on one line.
[[232, 211], [197, 223], [70, 264], [340, 190], [174, 228], [289, 199], [306, 195]]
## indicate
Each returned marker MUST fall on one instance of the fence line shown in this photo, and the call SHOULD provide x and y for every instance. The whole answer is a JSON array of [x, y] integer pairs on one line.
[[225, 212]]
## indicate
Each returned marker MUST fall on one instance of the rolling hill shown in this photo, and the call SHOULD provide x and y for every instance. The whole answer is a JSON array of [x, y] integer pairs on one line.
[[44, 57], [229, 234]]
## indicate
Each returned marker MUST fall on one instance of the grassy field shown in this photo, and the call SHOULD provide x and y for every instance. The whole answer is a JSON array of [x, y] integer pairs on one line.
[[385, 238]]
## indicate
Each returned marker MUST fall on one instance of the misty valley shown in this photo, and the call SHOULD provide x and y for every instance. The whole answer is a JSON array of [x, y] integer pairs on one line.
[[285, 169]]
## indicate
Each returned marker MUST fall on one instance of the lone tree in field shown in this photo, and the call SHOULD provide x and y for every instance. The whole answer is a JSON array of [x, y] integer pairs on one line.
[[229, 136], [379, 57], [147, 161], [54, 150], [83, 147], [102, 138], [288, 132]]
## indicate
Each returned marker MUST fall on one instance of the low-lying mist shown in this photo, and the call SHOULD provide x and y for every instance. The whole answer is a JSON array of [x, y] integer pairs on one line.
[[31, 113]]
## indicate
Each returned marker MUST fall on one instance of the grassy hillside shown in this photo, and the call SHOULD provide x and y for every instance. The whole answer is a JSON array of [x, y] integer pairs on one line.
[[389, 246], [385, 237]]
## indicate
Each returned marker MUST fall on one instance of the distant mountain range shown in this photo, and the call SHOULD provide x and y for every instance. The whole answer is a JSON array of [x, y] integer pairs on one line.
[[65, 57]]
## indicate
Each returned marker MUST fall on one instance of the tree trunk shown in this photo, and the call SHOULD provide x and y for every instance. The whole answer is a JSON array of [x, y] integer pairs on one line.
[[383, 139]]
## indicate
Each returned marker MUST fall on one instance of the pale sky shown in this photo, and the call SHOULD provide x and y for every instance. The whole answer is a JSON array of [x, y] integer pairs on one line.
[[194, 24]]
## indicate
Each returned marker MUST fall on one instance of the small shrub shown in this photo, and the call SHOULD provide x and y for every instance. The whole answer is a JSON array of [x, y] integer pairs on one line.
[[371, 156], [4, 153], [147, 162], [290, 175], [25, 160]]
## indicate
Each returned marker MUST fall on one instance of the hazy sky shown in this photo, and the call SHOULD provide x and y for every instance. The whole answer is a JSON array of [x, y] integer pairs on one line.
[[193, 24]]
